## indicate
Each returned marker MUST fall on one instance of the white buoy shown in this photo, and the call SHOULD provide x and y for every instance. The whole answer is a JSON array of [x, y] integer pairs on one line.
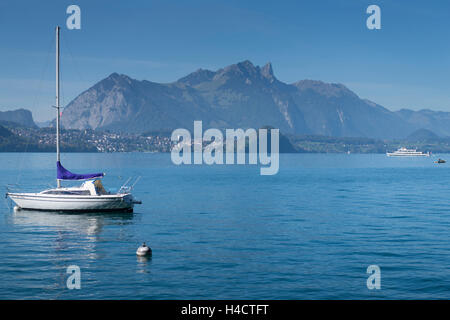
[[16, 208], [144, 250]]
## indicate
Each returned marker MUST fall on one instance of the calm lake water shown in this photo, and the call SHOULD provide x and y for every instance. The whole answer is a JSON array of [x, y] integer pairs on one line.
[[225, 232]]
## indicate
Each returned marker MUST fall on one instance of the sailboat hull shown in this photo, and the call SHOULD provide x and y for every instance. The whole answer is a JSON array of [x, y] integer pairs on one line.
[[36, 201]]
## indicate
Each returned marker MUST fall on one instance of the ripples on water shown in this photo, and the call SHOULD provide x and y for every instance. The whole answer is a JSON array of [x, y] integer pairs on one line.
[[225, 232]]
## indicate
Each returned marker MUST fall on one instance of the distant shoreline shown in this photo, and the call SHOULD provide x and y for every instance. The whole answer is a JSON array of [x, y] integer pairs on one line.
[[161, 152]]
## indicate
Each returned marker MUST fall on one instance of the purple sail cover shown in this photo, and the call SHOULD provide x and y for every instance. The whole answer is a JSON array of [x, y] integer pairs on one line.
[[64, 174]]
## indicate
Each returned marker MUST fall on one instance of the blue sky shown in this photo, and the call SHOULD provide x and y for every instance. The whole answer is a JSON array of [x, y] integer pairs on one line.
[[406, 64]]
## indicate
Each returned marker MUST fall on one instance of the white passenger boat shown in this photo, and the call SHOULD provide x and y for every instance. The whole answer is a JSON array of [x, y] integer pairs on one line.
[[404, 152], [90, 196]]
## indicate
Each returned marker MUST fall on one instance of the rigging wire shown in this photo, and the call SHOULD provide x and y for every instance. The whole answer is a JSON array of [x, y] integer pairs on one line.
[[36, 98]]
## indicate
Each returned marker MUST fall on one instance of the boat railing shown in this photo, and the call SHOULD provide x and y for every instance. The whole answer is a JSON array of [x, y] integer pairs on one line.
[[125, 188], [28, 188]]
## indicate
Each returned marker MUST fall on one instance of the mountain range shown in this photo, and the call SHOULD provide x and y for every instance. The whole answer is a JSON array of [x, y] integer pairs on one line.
[[242, 95]]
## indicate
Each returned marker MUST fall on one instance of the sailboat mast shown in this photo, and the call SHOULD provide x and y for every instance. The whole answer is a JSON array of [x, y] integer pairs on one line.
[[57, 102]]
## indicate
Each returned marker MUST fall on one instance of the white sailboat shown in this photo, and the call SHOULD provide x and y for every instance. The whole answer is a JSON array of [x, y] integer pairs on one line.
[[90, 196]]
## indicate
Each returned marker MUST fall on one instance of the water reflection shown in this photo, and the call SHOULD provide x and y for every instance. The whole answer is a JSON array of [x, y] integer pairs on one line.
[[90, 224], [63, 239], [74, 231], [143, 262]]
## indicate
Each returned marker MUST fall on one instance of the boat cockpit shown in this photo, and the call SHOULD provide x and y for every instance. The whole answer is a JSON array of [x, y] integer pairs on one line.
[[88, 188]]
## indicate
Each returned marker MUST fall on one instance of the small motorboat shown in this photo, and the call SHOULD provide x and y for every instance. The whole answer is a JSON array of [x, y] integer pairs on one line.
[[440, 161]]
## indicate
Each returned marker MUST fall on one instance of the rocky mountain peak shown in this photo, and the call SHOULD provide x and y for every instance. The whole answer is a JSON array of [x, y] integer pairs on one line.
[[114, 80], [267, 71], [241, 69], [118, 77], [197, 77], [246, 65], [246, 71]]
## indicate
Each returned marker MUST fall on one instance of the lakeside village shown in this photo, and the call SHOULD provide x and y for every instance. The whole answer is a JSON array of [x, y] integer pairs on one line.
[[44, 140], [24, 139]]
